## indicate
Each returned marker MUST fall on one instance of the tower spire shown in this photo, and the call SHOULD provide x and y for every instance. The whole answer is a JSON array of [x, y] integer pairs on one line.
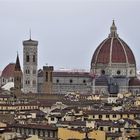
[[113, 30], [17, 66], [30, 33]]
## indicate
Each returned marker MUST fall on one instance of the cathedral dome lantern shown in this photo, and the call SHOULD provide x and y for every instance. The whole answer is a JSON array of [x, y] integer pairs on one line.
[[114, 56]]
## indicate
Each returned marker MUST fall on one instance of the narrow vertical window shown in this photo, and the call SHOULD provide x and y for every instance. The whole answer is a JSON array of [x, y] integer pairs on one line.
[[27, 58], [34, 82], [46, 76]]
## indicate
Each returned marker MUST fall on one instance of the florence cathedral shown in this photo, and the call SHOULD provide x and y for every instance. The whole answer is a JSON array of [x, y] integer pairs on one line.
[[113, 70]]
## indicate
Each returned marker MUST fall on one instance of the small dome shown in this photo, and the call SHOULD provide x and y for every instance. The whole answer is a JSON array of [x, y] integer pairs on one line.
[[9, 70], [113, 50]]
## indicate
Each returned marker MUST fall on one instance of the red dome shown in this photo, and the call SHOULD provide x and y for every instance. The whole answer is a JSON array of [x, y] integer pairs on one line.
[[8, 70], [113, 50]]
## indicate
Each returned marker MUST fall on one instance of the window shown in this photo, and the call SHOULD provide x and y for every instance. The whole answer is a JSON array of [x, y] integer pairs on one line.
[[57, 80], [33, 58], [71, 81], [46, 76], [118, 72], [27, 58], [84, 81], [27, 82], [100, 116], [107, 116], [93, 116], [52, 119], [103, 72], [27, 71], [114, 115], [109, 128], [101, 128]]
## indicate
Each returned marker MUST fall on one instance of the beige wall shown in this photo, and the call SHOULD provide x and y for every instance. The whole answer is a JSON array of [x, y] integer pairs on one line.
[[65, 134]]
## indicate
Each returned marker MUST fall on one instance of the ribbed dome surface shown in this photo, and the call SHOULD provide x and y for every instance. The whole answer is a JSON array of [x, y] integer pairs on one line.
[[113, 50], [8, 70]]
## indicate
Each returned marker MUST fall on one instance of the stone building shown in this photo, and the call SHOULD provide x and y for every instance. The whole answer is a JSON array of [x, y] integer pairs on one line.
[[114, 64], [113, 70], [67, 81], [30, 66]]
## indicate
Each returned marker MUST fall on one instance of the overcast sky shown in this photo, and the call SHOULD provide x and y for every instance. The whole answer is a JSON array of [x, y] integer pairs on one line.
[[68, 31]]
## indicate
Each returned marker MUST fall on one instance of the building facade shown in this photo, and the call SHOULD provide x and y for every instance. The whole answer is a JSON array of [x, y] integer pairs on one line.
[[113, 70], [114, 64], [30, 62], [67, 81]]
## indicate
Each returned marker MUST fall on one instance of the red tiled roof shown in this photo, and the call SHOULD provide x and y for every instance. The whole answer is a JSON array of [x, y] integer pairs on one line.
[[134, 82], [114, 50], [9, 70], [35, 126]]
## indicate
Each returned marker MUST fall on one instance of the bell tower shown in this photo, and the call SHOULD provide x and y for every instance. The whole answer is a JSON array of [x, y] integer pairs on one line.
[[30, 62]]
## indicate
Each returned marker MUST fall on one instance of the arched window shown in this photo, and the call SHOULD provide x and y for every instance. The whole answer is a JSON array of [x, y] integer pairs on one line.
[[103, 72], [27, 58]]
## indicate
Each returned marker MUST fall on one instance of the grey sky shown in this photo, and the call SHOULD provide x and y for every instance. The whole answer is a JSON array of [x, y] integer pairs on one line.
[[68, 31]]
